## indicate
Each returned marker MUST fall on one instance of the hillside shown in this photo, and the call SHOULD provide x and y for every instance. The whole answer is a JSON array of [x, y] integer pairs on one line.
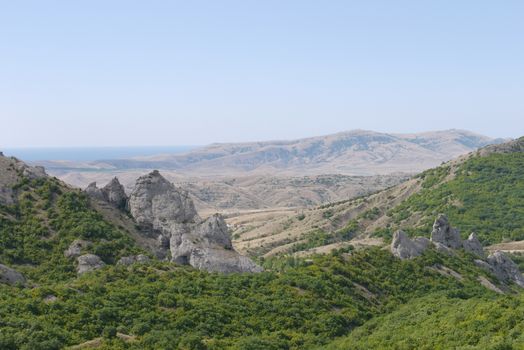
[[131, 301], [357, 152], [480, 192]]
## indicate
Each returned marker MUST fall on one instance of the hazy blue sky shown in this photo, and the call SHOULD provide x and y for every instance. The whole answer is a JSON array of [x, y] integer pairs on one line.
[[79, 73]]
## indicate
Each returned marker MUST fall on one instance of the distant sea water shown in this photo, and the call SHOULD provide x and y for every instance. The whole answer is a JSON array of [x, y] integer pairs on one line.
[[91, 153]]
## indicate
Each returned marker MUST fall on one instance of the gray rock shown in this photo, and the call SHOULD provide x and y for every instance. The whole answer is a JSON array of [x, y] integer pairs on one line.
[[93, 191], [10, 276], [405, 248], [222, 261], [505, 269], [444, 234], [115, 194], [31, 172], [133, 259], [472, 245], [167, 211], [156, 202], [75, 248], [88, 262]]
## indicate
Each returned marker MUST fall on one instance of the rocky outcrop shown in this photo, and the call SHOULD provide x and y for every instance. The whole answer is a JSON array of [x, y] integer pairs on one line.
[[505, 269], [155, 203], [88, 262], [405, 248], [10, 276], [166, 212], [446, 239], [94, 192], [75, 248], [472, 245], [113, 193], [444, 234], [133, 259]]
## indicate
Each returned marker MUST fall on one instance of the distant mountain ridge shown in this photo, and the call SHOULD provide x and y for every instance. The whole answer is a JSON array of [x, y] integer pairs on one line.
[[357, 152]]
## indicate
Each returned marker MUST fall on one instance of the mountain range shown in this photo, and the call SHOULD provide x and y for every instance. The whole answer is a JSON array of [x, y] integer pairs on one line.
[[357, 152]]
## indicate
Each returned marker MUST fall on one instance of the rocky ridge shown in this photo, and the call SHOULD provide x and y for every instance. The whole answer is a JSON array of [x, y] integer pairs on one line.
[[445, 238]]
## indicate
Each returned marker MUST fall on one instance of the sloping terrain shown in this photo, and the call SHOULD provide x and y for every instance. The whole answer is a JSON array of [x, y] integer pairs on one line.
[[480, 192], [295, 303]]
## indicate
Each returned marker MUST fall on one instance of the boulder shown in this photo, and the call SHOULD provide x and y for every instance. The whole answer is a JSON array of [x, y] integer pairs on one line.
[[88, 262], [133, 259], [10, 276], [505, 269], [405, 248], [444, 234], [75, 248], [472, 245], [115, 194]]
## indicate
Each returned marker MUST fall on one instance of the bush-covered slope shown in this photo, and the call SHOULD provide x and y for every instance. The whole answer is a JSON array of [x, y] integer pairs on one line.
[[484, 196], [298, 305], [46, 217], [439, 322]]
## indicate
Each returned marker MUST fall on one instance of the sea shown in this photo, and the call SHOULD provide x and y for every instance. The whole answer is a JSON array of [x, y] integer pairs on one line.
[[81, 154]]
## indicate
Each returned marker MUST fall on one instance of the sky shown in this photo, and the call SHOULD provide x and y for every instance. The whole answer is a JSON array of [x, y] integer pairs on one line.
[[121, 73]]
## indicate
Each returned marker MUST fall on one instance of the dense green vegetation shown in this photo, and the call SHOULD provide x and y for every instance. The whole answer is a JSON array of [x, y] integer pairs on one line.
[[292, 307], [439, 322], [48, 216], [485, 197], [363, 299]]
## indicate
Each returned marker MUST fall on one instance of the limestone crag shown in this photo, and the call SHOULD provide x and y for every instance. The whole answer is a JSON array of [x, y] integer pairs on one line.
[[11, 276], [405, 248], [444, 234], [155, 203], [472, 245], [166, 212], [446, 239], [112, 193], [505, 269], [88, 262], [115, 193]]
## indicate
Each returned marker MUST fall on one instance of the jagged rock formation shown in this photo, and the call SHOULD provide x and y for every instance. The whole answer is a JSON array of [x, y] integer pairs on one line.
[[505, 269], [168, 212], [75, 248], [133, 259], [155, 203], [88, 262], [445, 238], [444, 234], [11, 276], [473, 245], [405, 248], [113, 193]]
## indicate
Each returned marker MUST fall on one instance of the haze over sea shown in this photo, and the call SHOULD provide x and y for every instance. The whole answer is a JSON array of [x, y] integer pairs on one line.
[[31, 154]]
